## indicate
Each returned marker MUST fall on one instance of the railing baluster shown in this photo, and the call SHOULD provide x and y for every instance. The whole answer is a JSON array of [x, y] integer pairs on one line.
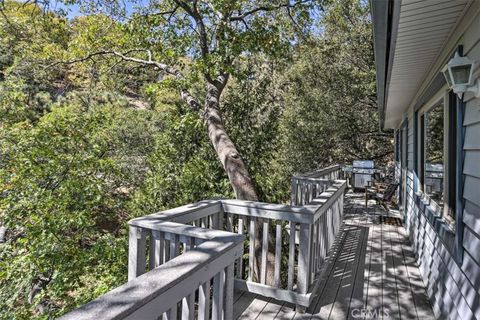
[[218, 290], [331, 226], [241, 220], [228, 313], [174, 246], [171, 314], [294, 192], [311, 274], [204, 301], [230, 226], [188, 307], [136, 253], [291, 255], [314, 249], [299, 193], [251, 253], [166, 247], [220, 221], [263, 277], [321, 235], [211, 221], [191, 243], [305, 193], [278, 253], [155, 249]]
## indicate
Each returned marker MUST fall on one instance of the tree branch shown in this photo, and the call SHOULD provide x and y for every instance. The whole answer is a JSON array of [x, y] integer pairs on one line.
[[167, 12], [184, 93], [266, 8], [202, 30], [124, 56]]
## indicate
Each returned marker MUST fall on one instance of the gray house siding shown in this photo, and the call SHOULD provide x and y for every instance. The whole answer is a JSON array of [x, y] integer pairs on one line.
[[452, 286]]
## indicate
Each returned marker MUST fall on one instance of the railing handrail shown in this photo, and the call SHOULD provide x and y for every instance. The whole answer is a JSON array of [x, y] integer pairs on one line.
[[300, 214], [182, 229], [325, 200], [308, 186], [319, 172], [182, 214]]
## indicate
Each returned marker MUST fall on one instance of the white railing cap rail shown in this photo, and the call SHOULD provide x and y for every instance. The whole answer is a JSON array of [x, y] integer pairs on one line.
[[299, 214], [181, 214], [325, 200], [154, 292], [155, 223], [310, 179], [318, 172]]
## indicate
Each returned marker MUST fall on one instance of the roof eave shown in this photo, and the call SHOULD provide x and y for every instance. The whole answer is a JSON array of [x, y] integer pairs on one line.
[[385, 15]]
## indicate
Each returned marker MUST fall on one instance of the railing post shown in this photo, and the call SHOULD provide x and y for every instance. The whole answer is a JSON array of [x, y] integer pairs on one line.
[[342, 197], [136, 253], [304, 258]]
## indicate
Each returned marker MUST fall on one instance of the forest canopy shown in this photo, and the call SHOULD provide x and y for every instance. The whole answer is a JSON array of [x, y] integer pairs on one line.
[[115, 113]]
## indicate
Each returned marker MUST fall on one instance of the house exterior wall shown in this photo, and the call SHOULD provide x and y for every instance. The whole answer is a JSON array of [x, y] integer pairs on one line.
[[450, 272]]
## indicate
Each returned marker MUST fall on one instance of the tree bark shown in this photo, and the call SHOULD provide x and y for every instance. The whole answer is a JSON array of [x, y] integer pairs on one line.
[[227, 153]]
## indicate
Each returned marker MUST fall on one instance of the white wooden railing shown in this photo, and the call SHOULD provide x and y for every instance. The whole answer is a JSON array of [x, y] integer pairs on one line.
[[308, 186], [190, 260], [187, 260], [315, 226]]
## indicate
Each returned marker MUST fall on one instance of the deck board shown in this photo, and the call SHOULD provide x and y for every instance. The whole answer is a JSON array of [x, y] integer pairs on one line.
[[271, 310], [372, 266]]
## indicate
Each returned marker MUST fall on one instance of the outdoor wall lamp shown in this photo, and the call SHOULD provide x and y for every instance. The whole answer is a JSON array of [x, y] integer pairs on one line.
[[458, 72]]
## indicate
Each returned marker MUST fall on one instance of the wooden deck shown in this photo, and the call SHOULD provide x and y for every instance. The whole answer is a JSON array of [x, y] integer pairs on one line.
[[371, 274]]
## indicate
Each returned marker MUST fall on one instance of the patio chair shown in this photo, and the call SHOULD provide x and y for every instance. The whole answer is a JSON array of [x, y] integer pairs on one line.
[[381, 193]]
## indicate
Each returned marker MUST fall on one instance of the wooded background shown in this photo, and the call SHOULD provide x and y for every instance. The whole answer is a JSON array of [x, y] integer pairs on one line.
[[93, 132]]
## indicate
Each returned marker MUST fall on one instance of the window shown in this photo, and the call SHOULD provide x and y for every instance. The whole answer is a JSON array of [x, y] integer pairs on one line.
[[437, 156], [434, 169]]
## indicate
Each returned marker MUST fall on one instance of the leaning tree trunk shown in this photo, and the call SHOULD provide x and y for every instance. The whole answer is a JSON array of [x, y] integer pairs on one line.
[[237, 172], [227, 153]]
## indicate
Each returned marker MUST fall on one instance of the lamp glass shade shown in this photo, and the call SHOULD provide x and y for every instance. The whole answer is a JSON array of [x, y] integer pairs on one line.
[[446, 74], [461, 74]]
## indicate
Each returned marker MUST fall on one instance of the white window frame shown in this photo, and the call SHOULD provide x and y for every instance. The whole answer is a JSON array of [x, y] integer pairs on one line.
[[439, 97]]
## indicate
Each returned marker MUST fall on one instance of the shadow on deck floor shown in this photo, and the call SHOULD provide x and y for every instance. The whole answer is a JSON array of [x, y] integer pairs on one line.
[[371, 274]]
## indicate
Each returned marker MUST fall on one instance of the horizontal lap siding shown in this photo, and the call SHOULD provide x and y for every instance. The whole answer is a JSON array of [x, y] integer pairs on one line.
[[410, 175], [410, 142], [448, 287], [471, 170], [453, 289]]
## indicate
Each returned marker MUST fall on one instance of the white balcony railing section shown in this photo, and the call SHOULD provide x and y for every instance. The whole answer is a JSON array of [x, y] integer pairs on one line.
[[187, 260], [310, 185]]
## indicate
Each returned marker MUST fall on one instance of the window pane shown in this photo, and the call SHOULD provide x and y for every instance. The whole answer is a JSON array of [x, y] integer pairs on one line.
[[434, 169]]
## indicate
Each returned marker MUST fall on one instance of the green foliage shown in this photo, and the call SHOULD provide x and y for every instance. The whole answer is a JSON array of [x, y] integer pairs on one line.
[[331, 114], [29, 41], [57, 185]]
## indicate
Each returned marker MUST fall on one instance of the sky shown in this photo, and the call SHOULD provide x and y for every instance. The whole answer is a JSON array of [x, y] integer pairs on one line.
[[75, 10]]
